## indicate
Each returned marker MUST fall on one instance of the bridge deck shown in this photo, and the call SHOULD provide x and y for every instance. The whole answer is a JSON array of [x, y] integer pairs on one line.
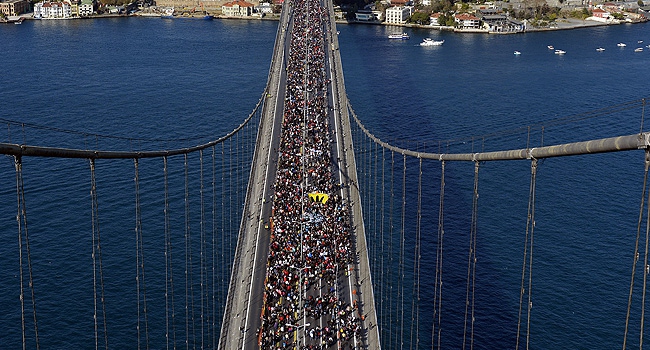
[[344, 285]]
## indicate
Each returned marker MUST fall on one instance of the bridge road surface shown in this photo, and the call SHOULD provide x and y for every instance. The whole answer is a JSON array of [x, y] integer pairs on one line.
[[242, 316]]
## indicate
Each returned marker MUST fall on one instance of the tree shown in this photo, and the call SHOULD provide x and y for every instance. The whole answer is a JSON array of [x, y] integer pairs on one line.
[[419, 18], [640, 3]]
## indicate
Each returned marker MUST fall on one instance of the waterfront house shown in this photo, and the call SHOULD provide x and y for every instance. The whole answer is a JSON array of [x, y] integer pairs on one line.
[[465, 21], [14, 7], [86, 8], [52, 10], [600, 13], [264, 7], [398, 14], [365, 16], [433, 19], [237, 8]]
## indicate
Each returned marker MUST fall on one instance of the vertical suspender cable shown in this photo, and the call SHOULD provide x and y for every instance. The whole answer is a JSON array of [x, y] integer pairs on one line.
[[375, 245], [230, 209], [415, 298], [646, 270], [213, 255], [224, 262], [187, 265], [530, 256], [437, 291], [137, 246], [401, 256], [529, 227], [202, 264], [636, 245], [97, 259], [21, 218], [391, 324], [189, 279], [471, 266], [383, 243], [140, 277], [94, 229], [169, 272]]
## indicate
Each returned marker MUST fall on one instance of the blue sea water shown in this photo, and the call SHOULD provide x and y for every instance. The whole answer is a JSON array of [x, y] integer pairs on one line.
[[152, 78]]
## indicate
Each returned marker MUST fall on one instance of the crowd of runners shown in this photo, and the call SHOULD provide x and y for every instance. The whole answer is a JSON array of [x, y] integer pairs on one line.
[[310, 246]]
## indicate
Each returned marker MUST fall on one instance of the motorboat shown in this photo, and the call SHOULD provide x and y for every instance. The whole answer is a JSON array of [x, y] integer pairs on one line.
[[600, 49], [560, 52], [403, 36], [621, 45], [517, 53], [638, 49], [550, 47], [431, 42]]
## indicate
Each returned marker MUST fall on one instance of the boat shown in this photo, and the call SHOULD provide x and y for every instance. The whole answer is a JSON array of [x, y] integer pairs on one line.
[[638, 49], [560, 52], [431, 42], [20, 21], [403, 36], [550, 47], [208, 17], [517, 53], [640, 42], [168, 13], [621, 45], [600, 49]]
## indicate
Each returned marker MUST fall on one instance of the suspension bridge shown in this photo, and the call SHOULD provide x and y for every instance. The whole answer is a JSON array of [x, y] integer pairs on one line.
[[300, 229]]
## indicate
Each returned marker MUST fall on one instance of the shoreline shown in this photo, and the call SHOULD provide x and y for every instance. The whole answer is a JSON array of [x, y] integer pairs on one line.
[[563, 24]]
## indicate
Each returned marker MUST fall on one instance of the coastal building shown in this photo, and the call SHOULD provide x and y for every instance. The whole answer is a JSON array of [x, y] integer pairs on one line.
[[14, 7], [398, 14], [433, 19], [600, 13], [264, 7], [465, 21], [365, 16], [237, 8], [207, 4], [497, 22], [86, 8], [52, 10]]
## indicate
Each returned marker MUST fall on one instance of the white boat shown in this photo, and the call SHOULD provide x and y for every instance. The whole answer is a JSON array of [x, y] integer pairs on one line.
[[638, 49], [517, 53], [621, 45], [560, 52], [403, 36], [639, 42], [600, 49], [550, 47], [431, 42]]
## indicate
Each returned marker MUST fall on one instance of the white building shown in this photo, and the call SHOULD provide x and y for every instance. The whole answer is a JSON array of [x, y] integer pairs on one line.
[[264, 7], [87, 8], [237, 8], [52, 10], [398, 14]]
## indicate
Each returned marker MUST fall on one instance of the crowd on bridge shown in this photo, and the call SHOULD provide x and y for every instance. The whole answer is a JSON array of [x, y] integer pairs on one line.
[[310, 245]]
